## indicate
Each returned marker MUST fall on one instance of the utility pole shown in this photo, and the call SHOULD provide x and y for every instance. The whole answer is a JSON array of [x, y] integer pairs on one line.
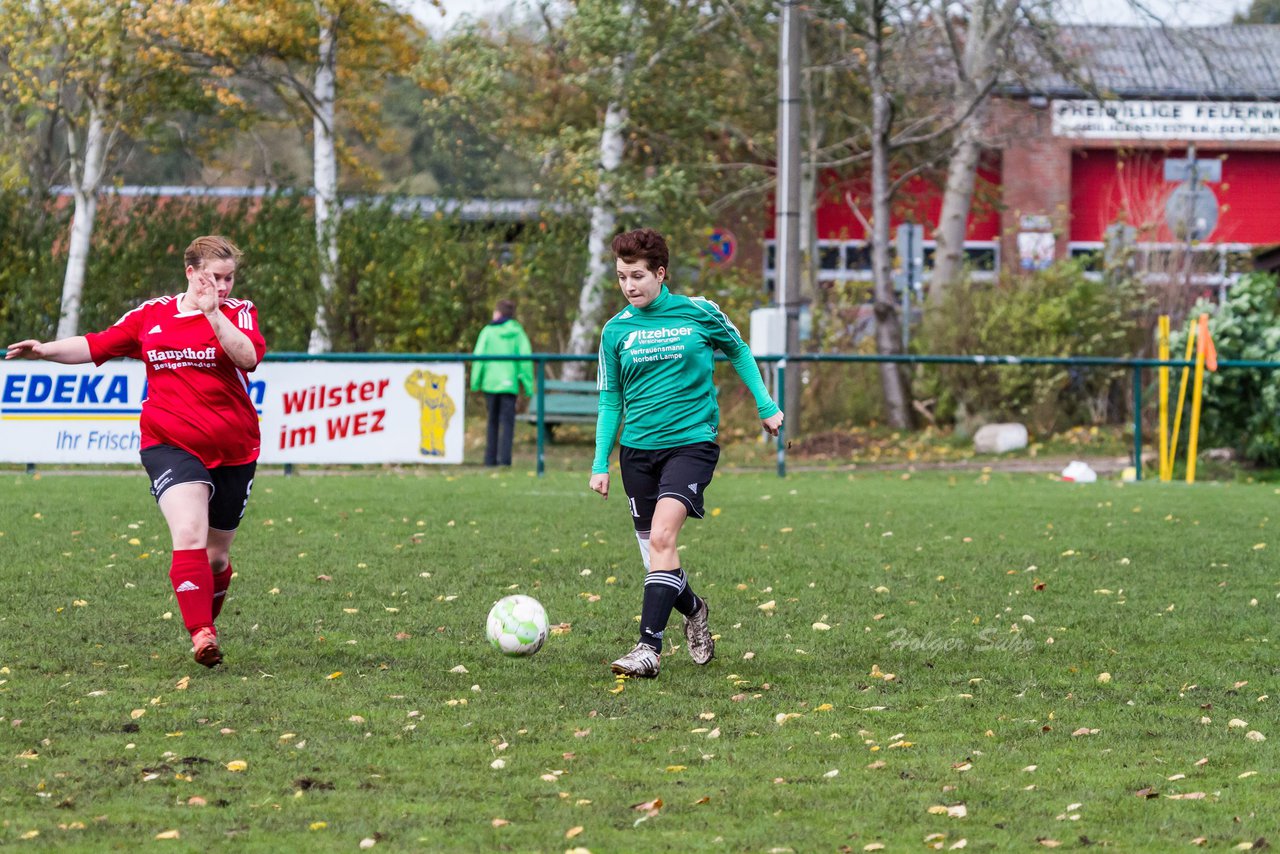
[[790, 40]]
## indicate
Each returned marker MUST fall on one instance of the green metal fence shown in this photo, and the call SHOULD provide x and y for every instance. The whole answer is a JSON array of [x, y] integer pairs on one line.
[[781, 364]]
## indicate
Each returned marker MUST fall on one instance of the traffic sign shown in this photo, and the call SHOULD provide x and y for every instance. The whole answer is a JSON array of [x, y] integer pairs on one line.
[[1206, 170], [721, 246], [1191, 212]]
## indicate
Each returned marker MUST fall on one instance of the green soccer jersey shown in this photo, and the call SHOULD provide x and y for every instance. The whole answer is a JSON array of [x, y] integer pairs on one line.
[[656, 368]]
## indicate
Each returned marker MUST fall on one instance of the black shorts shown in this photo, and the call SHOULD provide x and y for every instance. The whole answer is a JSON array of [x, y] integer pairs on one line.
[[682, 473], [229, 486]]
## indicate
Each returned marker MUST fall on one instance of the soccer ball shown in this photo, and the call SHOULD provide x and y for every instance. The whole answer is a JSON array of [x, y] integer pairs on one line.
[[517, 625]]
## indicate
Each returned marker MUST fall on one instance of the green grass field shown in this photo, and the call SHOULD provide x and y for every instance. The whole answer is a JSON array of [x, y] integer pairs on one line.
[[925, 661]]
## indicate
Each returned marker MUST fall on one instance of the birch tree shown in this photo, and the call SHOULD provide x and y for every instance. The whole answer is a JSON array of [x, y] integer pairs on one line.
[[929, 68], [979, 46], [325, 61], [84, 70], [636, 27], [894, 53], [627, 112]]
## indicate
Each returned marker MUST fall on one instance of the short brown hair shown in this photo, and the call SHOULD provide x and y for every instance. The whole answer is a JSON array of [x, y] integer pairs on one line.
[[506, 308], [643, 244], [211, 247]]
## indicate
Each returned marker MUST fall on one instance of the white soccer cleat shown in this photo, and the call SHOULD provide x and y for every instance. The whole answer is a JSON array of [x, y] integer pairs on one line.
[[641, 662], [702, 647]]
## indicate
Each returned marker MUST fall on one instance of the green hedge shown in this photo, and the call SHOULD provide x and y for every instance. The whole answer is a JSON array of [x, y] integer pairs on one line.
[[406, 284]]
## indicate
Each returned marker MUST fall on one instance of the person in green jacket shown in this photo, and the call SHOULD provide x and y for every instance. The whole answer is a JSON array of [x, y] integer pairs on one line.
[[501, 381], [656, 364]]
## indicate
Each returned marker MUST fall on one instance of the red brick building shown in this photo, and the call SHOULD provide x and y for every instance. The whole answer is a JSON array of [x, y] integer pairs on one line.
[[1065, 163]]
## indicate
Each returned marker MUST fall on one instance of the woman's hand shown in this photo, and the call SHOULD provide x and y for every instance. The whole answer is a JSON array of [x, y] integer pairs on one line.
[[205, 293], [29, 349], [600, 483], [773, 423]]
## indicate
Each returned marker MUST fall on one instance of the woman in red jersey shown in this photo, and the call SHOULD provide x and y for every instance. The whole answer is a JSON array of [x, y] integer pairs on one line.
[[199, 427]]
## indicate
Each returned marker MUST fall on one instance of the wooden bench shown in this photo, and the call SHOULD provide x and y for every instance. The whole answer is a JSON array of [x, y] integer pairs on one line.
[[565, 402]]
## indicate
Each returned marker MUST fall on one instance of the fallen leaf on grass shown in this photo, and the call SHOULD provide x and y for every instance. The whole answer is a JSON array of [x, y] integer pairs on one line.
[[573, 831], [655, 804], [500, 822], [236, 765], [1187, 796], [1148, 792], [954, 811], [169, 834], [1048, 843], [1254, 735]]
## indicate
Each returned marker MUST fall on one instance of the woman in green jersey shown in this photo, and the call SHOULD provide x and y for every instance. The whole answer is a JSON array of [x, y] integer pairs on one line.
[[656, 365]]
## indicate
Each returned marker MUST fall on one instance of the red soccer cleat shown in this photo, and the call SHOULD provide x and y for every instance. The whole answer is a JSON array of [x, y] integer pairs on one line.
[[204, 646]]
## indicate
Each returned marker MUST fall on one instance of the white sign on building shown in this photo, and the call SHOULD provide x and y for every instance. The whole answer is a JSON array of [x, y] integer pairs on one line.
[[310, 412], [1177, 120]]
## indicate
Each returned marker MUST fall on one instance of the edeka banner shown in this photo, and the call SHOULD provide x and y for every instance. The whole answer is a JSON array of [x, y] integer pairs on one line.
[[311, 412]]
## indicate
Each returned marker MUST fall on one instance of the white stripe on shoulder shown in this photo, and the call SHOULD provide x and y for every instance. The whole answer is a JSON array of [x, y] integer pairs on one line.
[[154, 301], [716, 313]]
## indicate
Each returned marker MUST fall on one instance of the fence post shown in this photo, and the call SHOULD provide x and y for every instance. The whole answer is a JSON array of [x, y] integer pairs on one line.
[[1137, 422], [540, 393], [782, 395]]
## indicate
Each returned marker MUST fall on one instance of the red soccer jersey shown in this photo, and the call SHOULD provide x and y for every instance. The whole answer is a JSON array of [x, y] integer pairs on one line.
[[197, 399]]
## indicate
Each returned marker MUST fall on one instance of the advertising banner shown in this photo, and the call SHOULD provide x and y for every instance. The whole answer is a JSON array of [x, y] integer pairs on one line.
[[310, 412]]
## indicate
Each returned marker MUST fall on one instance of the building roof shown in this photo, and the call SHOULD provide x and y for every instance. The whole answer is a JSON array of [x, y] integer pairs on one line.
[[1240, 62]]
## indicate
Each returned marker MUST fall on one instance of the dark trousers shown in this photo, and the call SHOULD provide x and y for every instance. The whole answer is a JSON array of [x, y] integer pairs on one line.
[[502, 427]]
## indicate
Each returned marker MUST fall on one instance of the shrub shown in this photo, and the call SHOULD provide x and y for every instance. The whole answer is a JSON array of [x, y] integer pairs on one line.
[[1053, 312], [1241, 406]]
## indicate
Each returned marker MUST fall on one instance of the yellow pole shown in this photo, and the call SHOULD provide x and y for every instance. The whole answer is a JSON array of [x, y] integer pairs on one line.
[[1182, 396], [1193, 434], [1166, 471]]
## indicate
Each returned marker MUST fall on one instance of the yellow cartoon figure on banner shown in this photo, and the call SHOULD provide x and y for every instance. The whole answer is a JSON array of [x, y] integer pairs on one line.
[[437, 409]]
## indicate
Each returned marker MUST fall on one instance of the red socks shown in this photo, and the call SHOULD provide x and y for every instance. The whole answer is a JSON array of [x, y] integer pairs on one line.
[[193, 584], [221, 581]]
